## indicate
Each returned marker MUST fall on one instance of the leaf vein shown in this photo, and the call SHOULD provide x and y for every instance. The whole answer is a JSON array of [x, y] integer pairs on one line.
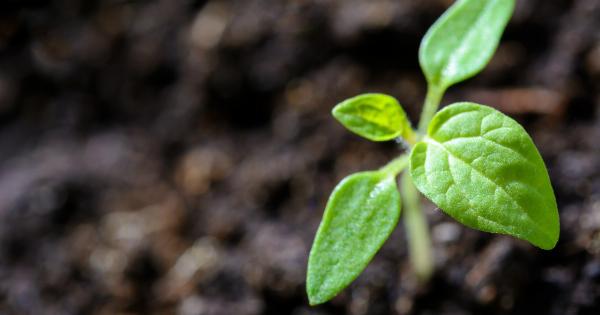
[[471, 209], [434, 142], [492, 141]]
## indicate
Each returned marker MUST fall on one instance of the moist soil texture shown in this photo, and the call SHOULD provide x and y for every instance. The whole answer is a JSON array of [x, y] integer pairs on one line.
[[175, 157]]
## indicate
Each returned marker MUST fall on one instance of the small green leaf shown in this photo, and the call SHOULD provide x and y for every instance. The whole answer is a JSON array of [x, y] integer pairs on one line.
[[361, 213], [377, 117], [482, 168], [462, 41]]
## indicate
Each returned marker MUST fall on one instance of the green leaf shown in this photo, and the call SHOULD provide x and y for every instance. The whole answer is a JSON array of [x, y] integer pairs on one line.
[[361, 213], [462, 41], [377, 117], [482, 168]]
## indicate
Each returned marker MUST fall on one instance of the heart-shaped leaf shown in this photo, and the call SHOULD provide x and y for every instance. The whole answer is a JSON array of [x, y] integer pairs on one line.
[[482, 168], [462, 41], [377, 117], [361, 213]]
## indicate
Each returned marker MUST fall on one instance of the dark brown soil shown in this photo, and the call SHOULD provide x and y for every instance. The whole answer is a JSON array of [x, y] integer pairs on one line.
[[174, 157]]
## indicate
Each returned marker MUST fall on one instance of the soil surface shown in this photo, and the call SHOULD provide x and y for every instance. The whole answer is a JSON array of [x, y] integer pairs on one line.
[[174, 157]]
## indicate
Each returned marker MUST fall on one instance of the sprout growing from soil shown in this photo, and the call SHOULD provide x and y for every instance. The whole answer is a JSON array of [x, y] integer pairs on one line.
[[475, 163]]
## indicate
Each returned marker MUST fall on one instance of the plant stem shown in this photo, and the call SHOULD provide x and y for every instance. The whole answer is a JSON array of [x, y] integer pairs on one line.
[[432, 102], [415, 222], [419, 243], [395, 166]]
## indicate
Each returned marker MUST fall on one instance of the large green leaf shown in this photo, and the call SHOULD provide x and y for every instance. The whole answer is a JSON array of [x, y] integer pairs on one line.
[[377, 117], [482, 168], [462, 41], [361, 213]]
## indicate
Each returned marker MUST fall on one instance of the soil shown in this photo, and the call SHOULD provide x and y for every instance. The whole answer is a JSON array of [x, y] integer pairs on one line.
[[174, 157]]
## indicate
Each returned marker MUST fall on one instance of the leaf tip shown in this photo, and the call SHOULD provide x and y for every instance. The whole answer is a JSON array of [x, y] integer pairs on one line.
[[336, 111], [551, 232], [315, 296], [549, 243], [314, 301]]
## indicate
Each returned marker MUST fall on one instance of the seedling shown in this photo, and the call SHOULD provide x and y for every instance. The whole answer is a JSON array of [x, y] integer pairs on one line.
[[475, 163]]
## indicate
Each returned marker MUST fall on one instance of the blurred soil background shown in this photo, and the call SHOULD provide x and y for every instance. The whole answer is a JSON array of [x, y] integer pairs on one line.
[[174, 157]]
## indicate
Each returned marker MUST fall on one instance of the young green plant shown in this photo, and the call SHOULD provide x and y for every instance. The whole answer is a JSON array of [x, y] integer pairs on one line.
[[475, 163]]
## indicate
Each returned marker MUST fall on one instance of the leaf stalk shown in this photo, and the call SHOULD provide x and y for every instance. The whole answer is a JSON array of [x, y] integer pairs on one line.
[[430, 107], [395, 166]]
